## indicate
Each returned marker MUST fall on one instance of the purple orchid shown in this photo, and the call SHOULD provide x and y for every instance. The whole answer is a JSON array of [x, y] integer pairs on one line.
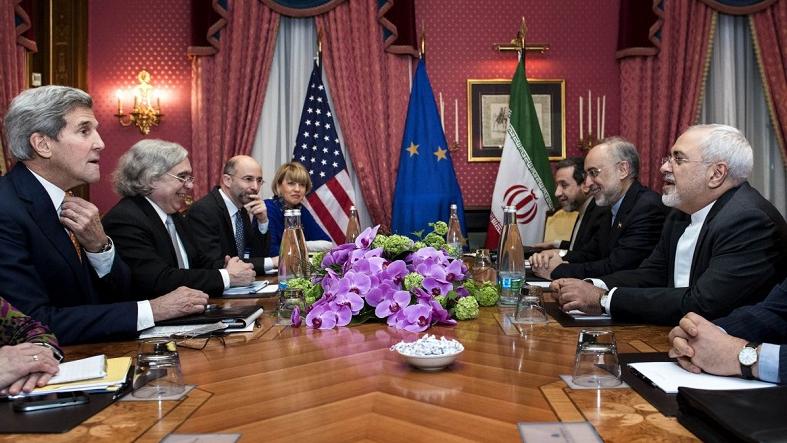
[[295, 317], [366, 237], [393, 302], [320, 317], [455, 271]]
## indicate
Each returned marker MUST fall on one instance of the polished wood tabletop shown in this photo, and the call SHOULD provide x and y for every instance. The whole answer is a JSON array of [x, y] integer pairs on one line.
[[286, 384]]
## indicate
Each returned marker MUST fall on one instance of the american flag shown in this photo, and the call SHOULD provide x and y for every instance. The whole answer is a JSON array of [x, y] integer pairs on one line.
[[318, 148]]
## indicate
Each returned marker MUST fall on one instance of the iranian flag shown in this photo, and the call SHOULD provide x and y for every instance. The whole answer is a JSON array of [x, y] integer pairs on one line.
[[524, 179]]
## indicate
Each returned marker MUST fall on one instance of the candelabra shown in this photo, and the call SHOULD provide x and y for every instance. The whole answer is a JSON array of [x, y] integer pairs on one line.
[[144, 114]]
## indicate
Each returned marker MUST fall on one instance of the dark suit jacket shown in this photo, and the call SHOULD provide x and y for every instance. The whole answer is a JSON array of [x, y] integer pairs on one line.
[[594, 218], [212, 228], [765, 322], [624, 244], [41, 274], [741, 253], [144, 244]]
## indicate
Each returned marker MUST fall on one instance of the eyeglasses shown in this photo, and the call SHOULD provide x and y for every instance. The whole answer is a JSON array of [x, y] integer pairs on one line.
[[186, 179], [249, 179], [679, 160], [199, 343], [593, 172]]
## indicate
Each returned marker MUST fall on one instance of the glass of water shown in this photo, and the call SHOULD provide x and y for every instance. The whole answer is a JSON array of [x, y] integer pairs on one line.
[[596, 364], [157, 373], [530, 306]]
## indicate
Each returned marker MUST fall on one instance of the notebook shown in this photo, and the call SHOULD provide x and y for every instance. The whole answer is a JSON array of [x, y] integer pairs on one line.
[[236, 316], [84, 369]]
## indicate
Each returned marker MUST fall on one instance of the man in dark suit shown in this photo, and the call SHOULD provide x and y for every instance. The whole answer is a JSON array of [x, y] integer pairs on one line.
[[154, 178], [634, 220], [232, 220], [573, 194], [56, 263], [723, 245], [752, 341]]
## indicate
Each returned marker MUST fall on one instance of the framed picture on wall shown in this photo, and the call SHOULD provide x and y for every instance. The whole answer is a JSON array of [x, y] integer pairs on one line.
[[487, 117]]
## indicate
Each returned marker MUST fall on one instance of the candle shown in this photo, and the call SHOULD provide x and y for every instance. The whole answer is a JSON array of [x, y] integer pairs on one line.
[[157, 93], [442, 112], [598, 117], [580, 117], [119, 95], [603, 114], [590, 114], [456, 120]]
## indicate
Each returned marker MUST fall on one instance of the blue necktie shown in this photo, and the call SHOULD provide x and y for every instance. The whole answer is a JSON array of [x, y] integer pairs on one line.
[[240, 233]]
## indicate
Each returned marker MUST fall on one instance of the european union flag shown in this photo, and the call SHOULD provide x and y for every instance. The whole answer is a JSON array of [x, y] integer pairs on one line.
[[426, 183]]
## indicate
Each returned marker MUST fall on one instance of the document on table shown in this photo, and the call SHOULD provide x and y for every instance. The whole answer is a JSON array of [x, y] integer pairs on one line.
[[668, 376], [116, 371], [253, 288], [579, 315], [169, 331], [83, 369]]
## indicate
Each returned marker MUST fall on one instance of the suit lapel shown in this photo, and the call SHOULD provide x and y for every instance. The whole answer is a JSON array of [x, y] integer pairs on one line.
[[699, 249], [225, 218], [629, 200], [159, 230]]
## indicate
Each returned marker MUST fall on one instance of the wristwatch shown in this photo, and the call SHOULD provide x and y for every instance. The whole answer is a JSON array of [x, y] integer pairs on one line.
[[602, 301], [107, 246], [747, 358]]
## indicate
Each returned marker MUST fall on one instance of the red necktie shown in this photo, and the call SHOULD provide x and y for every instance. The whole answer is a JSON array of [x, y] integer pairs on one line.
[[72, 237]]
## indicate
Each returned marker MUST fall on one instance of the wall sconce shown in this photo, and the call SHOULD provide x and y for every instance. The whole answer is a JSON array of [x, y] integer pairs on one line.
[[143, 115]]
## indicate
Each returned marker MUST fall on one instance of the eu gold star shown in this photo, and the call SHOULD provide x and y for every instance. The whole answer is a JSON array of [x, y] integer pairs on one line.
[[413, 149], [440, 153]]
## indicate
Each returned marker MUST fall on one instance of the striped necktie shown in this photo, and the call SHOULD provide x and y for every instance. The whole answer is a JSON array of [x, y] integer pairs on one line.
[[173, 236], [73, 237], [240, 233]]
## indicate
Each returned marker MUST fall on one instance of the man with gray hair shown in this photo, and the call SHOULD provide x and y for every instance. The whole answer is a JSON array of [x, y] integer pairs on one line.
[[723, 245], [56, 263], [631, 227], [155, 179]]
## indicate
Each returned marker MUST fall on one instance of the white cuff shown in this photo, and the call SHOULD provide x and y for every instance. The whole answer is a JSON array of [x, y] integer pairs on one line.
[[597, 283], [606, 302], [267, 265], [101, 261], [225, 277], [144, 315], [263, 227]]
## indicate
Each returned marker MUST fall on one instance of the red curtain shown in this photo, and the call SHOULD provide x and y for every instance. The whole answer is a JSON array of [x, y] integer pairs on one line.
[[369, 88], [228, 90], [660, 94], [13, 51], [770, 36]]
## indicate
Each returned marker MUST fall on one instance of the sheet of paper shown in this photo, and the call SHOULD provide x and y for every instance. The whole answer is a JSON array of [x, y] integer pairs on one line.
[[168, 331], [253, 288], [668, 376], [117, 368], [84, 369], [270, 289], [543, 284], [579, 315]]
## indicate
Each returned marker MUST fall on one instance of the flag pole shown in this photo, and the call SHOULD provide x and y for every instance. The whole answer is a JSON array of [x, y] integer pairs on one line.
[[319, 47]]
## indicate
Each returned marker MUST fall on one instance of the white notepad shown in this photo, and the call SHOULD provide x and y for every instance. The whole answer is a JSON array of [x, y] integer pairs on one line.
[[84, 369], [668, 376]]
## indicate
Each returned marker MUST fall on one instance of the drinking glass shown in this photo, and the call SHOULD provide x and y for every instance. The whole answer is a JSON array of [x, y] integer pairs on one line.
[[288, 300], [157, 373], [530, 306], [596, 363]]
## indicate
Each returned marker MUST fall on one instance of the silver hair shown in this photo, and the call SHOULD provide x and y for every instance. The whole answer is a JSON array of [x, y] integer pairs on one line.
[[40, 110], [144, 163], [725, 143], [624, 151]]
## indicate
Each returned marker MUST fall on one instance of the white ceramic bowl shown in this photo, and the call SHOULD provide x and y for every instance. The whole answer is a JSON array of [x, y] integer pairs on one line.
[[430, 362]]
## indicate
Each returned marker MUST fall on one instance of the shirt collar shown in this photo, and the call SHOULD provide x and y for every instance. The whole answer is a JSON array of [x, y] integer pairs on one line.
[[231, 208], [616, 207], [702, 214], [162, 215], [55, 193]]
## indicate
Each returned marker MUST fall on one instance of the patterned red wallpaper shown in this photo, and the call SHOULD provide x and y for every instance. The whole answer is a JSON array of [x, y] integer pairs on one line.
[[123, 38], [459, 37]]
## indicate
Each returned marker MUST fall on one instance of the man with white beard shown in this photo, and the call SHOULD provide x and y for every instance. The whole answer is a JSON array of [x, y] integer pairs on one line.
[[722, 246]]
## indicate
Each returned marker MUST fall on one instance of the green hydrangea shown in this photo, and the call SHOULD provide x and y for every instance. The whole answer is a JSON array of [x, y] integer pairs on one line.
[[443, 300], [466, 308], [379, 241], [440, 228], [313, 294], [434, 240], [470, 285], [316, 261], [413, 280], [486, 295], [299, 283], [397, 244], [418, 245]]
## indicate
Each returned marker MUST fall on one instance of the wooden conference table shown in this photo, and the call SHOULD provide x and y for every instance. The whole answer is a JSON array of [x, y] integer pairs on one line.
[[284, 384]]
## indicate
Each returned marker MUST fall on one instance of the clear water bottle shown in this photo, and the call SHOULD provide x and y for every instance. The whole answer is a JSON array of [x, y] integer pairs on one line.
[[290, 256], [483, 271], [304, 265], [454, 237], [510, 259], [353, 226]]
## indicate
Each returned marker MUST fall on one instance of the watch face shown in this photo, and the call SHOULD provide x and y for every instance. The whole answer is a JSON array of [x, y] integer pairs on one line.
[[747, 356]]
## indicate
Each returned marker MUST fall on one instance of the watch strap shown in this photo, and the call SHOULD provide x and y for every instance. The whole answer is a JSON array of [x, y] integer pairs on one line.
[[746, 371]]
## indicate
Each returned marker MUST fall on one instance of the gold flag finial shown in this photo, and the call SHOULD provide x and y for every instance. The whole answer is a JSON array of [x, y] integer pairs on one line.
[[422, 42], [522, 34]]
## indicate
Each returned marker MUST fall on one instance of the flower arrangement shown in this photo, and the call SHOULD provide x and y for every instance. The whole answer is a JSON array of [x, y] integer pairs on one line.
[[409, 284]]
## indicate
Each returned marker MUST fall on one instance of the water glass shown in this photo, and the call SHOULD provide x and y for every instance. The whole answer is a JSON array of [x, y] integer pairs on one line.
[[530, 306], [288, 300], [596, 363], [157, 373]]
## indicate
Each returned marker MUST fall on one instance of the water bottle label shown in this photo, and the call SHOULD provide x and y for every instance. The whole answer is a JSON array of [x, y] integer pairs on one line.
[[511, 283], [282, 285]]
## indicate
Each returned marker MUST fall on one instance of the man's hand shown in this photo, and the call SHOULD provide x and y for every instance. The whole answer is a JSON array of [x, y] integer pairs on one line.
[[82, 218], [25, 366], [699, 345], [543, 263], [577, 294], [547, 245], [257, 208], [180, 302], [241, 273]]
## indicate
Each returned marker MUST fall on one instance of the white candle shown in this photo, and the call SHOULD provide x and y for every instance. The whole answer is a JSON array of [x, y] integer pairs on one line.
[[119, 95], [590, 114], [442, 112], [603, 115], [456, 120], [580, 117], [598, 117]]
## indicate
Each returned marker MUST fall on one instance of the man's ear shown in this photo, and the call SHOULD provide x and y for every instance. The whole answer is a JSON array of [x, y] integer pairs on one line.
[[40, 144], [226, 180], [719, 173]]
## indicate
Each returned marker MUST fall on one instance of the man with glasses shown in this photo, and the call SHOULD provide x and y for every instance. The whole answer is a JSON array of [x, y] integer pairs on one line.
[[232, 220], [723, 245], [57, 264], [154, 178], [632, 223]]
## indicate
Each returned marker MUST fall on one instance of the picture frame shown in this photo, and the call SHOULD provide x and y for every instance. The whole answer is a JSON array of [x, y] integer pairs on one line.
[[487, 104]]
